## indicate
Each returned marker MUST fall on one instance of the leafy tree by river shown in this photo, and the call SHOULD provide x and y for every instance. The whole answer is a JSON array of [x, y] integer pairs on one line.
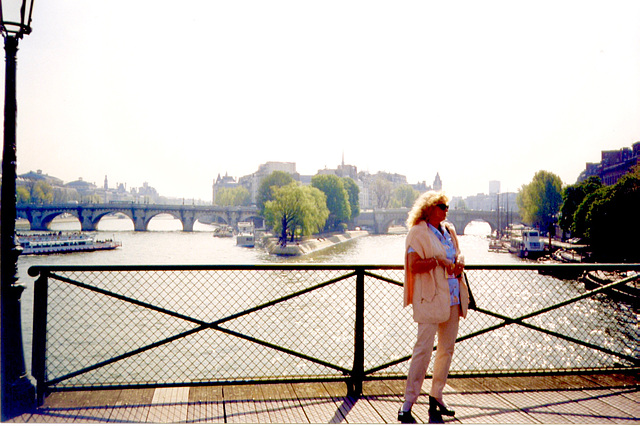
[[287, 215], [404, 196], [608, 219], [238, 196], [295, 211], [337, 200], [267, 188], [382, 190], [540, 200], [572, 198], [39, 192], [354, 196]]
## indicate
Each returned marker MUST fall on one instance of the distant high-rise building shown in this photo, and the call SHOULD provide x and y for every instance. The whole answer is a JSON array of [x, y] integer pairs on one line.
[[494, 187]]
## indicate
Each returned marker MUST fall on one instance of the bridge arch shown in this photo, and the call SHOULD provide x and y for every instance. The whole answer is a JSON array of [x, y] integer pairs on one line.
[[481, 222], [380, 220], [217, 219], [40, 220], [96, 218], [461, 222], [149, 217], [47, 219]]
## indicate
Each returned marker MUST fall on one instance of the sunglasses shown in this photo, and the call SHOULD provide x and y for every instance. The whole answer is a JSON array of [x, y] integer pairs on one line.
[[442, 207]]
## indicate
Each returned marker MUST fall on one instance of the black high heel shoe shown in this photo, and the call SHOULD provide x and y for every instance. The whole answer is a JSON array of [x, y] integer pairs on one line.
[[435, 407], [406, 417]]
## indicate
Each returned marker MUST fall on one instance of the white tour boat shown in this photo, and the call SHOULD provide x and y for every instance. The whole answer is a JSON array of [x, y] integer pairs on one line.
[[246, 235], [526, 244], [59, 242]]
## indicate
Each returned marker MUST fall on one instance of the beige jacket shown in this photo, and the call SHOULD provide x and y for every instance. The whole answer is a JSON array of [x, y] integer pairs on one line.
[[428, 292]]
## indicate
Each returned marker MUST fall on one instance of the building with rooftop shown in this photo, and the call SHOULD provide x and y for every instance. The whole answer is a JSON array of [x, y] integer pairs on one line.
[[613, 165]]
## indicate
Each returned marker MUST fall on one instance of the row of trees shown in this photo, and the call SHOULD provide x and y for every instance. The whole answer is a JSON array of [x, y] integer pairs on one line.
[[386, 196], [293, 210], [43, 193], [606, 217]]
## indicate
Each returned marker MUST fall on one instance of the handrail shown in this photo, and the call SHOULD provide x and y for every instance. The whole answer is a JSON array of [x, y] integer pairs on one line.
[[35, 270]]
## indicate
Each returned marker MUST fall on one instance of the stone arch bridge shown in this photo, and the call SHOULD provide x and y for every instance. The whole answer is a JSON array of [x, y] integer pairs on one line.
[[40, 216], [379, 220], [89, 215]]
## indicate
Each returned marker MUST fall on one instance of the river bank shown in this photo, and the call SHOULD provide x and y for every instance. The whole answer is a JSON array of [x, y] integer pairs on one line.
[[310, 245]]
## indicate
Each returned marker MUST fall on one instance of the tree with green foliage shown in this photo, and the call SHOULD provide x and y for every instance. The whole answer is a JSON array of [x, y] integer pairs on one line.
[[267, 186], [540, 200], [611, 225], [337, 200], [572, 198], [296, 211], [22, 195], [233, 197], [579, 225], [41, 193], [404, 196], [382, 190], [354, 196]]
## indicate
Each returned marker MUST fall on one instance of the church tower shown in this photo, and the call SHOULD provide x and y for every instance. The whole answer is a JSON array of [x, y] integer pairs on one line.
[[437, 183]]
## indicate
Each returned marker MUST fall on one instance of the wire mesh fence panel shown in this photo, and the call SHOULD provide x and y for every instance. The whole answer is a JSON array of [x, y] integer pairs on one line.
[[563, 337], [134, 326], [389, 327], [317, 323]]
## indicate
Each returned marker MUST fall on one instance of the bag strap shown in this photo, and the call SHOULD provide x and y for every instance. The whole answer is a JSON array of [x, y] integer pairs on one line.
[[472, 301]]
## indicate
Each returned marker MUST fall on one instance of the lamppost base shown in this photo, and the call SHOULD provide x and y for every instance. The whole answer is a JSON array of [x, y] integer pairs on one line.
[[20, 397]]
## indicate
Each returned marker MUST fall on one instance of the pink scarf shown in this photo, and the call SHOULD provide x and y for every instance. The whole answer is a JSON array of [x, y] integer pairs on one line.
[[421, 239]]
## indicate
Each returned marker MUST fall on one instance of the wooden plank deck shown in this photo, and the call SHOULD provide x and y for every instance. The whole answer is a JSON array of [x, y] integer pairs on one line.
[[566, 399]]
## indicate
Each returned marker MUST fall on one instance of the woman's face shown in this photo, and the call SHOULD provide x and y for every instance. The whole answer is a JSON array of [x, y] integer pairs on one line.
[[438, 212]]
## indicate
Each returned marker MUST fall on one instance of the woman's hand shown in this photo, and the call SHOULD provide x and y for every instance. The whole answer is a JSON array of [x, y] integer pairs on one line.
[[458, 266], [447, 264]]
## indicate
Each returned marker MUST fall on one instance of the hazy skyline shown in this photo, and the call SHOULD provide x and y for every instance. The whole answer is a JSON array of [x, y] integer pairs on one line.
[[142, 90]]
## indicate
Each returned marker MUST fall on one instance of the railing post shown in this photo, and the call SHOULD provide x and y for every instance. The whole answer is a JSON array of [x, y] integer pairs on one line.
[[357, 373], [39, 349]]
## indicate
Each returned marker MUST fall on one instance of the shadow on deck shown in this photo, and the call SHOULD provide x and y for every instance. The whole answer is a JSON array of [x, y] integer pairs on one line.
[[597, 398]]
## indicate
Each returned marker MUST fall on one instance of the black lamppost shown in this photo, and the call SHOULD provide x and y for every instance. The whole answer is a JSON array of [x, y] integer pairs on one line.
[[18, 391]]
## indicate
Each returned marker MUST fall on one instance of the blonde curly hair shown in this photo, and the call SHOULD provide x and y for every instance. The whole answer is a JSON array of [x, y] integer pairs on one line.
[[424, 205]]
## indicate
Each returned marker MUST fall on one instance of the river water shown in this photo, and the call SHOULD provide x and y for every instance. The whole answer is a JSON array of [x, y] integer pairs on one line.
[[166, 244]]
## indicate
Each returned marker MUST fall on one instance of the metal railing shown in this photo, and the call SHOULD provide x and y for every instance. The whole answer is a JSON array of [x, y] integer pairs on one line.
[[141, 326]]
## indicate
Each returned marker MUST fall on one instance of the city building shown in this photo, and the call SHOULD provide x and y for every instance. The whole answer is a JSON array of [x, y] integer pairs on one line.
[[437, 183], [494, 187], [82, 191], [505, 201], [84, 188], [343, 170], [222, 182], [370, 185], [613, 165], [39, 177], [252, 182]]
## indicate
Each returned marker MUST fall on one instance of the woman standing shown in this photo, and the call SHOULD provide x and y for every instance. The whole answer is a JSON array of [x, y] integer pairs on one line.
[[434, 285]]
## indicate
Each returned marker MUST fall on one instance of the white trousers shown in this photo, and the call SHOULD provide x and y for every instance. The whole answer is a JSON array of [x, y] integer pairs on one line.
[[447, 333]]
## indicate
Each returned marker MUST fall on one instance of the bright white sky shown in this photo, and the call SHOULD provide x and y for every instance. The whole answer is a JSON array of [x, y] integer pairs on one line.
[[175, 92]]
